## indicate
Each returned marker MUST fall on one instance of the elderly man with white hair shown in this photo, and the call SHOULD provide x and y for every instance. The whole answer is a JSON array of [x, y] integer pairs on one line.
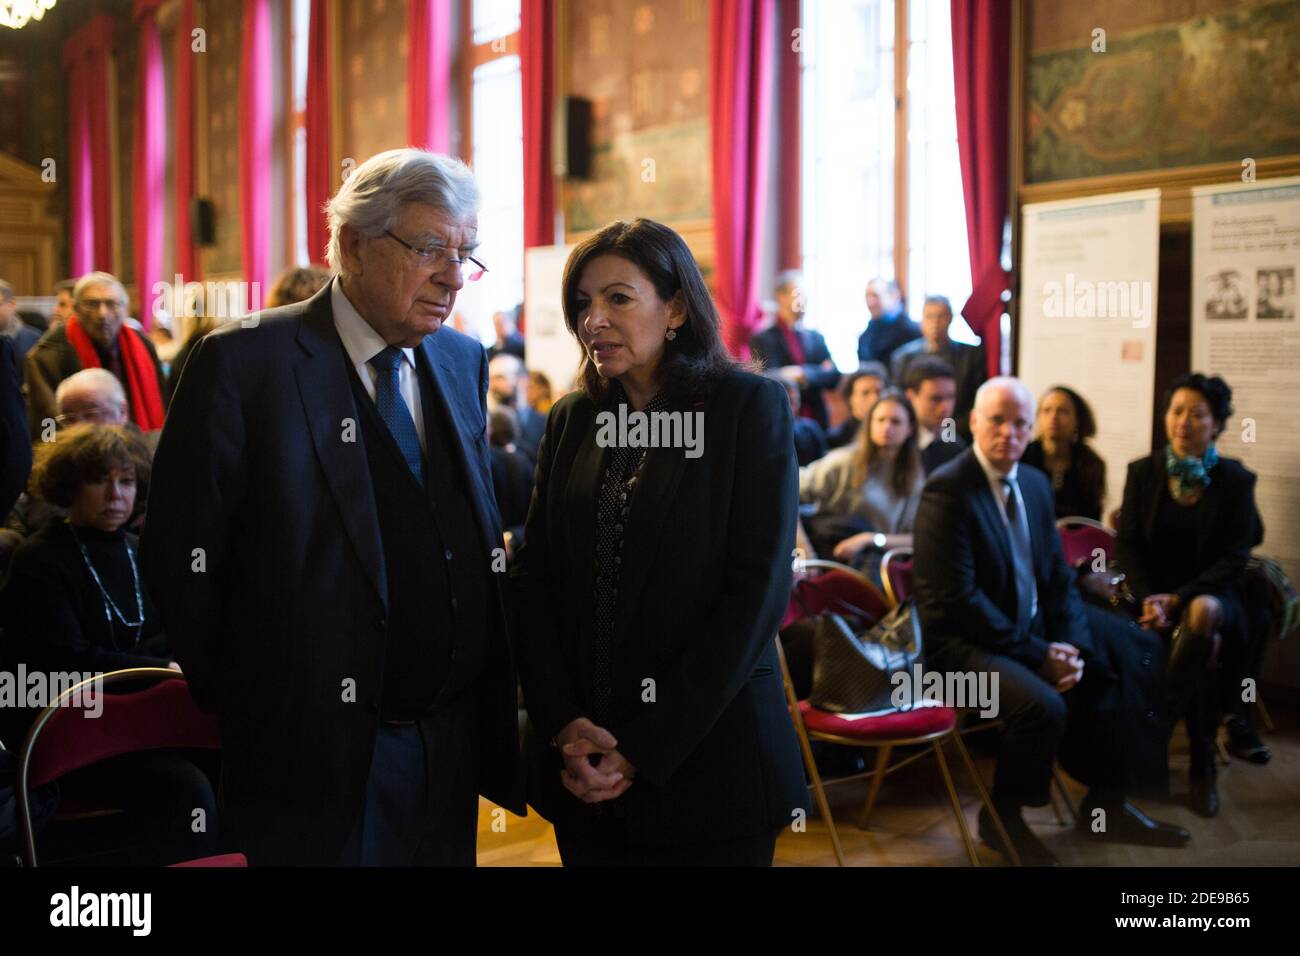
[[96, 336], [322, 542], [996, 598]]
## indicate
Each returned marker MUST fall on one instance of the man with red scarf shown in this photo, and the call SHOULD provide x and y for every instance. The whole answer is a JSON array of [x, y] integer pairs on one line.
[[96, 336]]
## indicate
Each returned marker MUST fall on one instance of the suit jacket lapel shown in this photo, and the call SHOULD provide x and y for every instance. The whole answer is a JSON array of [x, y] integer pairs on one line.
[[447, 382], [988, 507], [326, 395]]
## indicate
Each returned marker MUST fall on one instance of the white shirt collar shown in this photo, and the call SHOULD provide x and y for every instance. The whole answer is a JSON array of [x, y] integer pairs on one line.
[[359, 338]]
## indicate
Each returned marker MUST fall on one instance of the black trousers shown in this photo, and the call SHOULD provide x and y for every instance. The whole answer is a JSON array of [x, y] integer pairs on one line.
[[421, 806], [1109, 731], [608, 845]]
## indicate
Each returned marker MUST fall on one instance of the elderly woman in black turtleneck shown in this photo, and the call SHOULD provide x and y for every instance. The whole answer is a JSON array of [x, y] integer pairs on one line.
[[74, 600]]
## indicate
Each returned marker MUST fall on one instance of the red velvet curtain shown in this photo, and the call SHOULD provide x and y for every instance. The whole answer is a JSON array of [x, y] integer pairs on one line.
[[741, 55], [148, 183], [318, 130], [428, 74], [537, 69], [981, 54], [85, 57], [187, 259], [255, 131], [788, 141]]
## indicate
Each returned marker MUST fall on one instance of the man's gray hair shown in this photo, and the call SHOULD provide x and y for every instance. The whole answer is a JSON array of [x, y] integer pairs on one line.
[[98, 278], [371, 199], [90, 379], [786, 279]]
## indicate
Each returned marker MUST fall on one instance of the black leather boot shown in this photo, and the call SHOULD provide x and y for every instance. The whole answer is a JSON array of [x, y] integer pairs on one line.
[[1185, 669], [1202, 725]]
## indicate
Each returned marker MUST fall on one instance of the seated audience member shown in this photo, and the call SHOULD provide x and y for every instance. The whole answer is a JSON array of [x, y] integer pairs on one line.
[[74, 601], [63, 303], [809, 439], [504, 374], [512, 475], [508, 340], [866, 494], [796, 354], [967, 362], [91, 396], [889, 327], [996, 596], [12, 326], [932, 392], [538, 393], [15, 449], [97, 336], [1187, 527], [859, 390], [297, 284], [1063, 425]]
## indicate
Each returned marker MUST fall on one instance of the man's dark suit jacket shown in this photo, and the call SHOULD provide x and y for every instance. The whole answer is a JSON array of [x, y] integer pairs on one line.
[[15, 445], [885, 334], [940, 452], [281, 631], [532, 425], [770, 348], [53, 359], [964, 576], [706, 576], [1228, 526]]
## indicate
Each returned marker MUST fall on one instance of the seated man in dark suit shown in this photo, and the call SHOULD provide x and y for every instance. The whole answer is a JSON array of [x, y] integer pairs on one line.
[[797, 354], [932, 391], [996, 597]]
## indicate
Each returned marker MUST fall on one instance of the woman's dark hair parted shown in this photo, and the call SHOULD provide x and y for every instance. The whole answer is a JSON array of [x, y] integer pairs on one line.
[[696, 356], [86, 453], [1217, 392]]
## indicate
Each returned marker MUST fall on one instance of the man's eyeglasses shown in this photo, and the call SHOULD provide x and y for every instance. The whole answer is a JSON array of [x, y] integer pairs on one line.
[[438, 258]]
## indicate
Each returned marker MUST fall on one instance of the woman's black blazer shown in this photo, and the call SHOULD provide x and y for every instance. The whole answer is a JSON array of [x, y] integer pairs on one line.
[[698, 704], [1227, 527]]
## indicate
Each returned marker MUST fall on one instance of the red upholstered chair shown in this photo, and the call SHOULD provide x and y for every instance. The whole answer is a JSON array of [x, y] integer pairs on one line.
[[63, 739], [1082, 537], [221, 860], [825, 584], [921, 725]]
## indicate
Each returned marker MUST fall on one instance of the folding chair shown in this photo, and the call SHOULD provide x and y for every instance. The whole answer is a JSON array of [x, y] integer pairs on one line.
[[1081, 538], [922, 725], [63, 740]]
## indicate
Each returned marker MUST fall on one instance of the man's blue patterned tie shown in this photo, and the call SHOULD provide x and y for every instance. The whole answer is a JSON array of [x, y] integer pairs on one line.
[[393, 410]]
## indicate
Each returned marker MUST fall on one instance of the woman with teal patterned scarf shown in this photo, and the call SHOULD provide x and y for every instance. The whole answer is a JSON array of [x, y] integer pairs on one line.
[[1187, 527]]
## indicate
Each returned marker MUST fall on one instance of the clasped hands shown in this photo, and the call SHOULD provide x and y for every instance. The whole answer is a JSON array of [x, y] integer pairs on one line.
[[1157, 611], [607, 778], [1063, 667]]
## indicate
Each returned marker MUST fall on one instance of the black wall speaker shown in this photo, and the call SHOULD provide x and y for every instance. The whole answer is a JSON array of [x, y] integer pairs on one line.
[[572, 140], [203, 222]]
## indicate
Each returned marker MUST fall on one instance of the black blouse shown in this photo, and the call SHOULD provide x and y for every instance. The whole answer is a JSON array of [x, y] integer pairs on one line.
[[55, 614], [613, 502], [1071, 496]]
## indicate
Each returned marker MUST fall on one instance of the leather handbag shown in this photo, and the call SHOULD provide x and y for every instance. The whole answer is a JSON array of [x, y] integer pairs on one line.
[[852, 674]]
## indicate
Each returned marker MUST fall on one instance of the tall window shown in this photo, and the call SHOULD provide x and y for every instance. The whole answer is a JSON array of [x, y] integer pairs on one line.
[[496, 152], [855, 222]]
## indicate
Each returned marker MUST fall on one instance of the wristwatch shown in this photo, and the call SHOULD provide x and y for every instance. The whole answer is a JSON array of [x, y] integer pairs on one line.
[[878, 541]]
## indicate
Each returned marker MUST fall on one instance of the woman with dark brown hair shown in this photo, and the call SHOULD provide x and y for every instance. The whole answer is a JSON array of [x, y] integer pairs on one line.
[[867, 493], [74, 598], [654, 575], [75, 601], [1060, 448]]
